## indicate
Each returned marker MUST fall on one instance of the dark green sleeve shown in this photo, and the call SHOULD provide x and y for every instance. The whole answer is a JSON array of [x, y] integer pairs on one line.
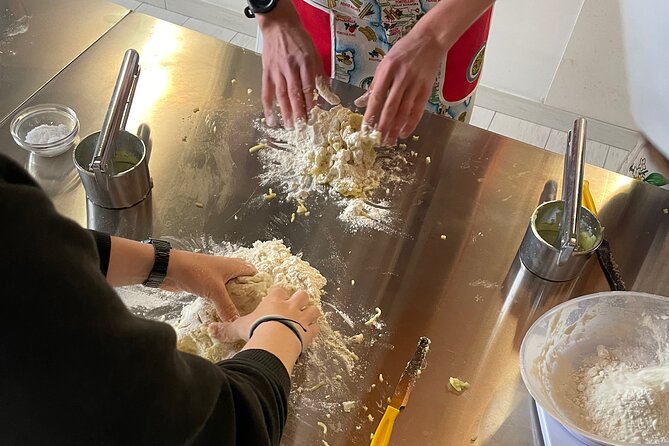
[[77, 368]]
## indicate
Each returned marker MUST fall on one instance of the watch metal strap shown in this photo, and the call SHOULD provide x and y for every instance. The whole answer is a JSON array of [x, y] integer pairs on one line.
[[161, 261]]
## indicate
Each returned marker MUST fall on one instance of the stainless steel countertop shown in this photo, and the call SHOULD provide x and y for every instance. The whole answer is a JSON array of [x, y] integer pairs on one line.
[[468, 293], [38, 38]]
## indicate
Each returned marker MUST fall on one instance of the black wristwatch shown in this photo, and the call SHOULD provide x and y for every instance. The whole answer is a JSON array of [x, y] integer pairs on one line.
[[259, 7], [161, 260]]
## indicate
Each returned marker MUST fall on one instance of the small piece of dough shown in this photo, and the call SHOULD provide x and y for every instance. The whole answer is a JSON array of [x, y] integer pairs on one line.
[[348, 406], [257, 147], [374, 318], [323, 87], [380, 377], [323, 426], [357, 338], [457, 384], [443, 236]]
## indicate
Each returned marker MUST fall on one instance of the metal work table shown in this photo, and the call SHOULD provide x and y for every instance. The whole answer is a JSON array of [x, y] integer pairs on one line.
[[39, 38], [468, 293]]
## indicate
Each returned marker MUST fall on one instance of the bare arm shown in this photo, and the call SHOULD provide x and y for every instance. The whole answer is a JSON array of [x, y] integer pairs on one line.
[[404, 79], [130, 263]]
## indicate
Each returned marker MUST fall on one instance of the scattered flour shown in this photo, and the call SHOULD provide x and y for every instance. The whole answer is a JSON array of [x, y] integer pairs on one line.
[[332, 154], [332, 150], [19, 26], [624, 402], [46, 134], [276, 265]]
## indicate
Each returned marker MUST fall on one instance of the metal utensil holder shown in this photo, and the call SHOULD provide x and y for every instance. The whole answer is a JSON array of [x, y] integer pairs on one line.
[[566, 260], [94, 155]]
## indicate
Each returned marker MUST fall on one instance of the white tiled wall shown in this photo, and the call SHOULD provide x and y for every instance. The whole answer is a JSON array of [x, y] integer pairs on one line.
[[526, 43], [567, 54], [591, 79]]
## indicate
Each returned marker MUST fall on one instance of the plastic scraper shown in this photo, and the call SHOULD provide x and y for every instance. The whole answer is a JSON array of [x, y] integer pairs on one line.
[[399, 399]]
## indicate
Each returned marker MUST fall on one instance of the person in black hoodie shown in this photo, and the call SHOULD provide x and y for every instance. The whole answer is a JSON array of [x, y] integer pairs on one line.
[[77, 368]]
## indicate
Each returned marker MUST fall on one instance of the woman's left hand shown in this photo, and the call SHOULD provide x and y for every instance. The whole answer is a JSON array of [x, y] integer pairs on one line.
[[206, 276], [402, 85]]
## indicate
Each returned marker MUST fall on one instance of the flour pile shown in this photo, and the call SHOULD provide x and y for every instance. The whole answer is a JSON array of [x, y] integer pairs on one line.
[[332, 154], [622, 401], [328, 356]]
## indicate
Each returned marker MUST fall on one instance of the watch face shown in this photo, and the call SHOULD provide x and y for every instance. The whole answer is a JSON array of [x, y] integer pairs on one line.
[[260, 4]]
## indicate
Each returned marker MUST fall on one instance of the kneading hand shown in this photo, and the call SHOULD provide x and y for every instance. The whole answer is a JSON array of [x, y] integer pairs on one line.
[[206, 276], [290, 66], [401, 87], [278, 302]]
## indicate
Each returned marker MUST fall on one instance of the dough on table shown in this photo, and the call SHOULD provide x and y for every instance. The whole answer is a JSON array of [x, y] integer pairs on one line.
[[192, 332]]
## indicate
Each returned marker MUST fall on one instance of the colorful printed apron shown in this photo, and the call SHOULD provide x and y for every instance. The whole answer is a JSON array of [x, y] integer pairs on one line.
[[353, 36]]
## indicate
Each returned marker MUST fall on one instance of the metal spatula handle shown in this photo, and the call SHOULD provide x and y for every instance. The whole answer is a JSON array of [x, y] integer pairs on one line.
[[117, 115], [572, 190]]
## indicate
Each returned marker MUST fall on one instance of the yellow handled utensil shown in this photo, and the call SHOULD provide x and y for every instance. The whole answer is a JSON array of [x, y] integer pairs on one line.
[[401, 395], [604, 253], [588, 201]]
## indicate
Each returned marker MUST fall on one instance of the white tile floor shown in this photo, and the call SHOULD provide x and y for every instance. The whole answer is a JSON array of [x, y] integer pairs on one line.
[[598, 154]]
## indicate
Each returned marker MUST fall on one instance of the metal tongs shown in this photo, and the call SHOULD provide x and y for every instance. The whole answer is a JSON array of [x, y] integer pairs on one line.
[[572, 191], [116, 117]]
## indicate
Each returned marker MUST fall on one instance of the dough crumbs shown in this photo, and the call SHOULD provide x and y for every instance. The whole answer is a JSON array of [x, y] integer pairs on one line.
[[270, 195], [443, 236], [370, 417], [352, 282], [380, 377], [348, 406], [249, 91], [236, 218], [257, 147], [457, 385], [331, 154], [665, 210], [428, 160], [373, 320], [324, 427], [473, 438], [196, 109], [233, 81], [357, 338], [199, 204], [402, 146], [292, 217], [415, 137], [325, 443], [301, 208]]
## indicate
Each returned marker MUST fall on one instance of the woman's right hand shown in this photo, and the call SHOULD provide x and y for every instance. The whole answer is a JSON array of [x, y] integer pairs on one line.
[[290, 66], [273, 336]]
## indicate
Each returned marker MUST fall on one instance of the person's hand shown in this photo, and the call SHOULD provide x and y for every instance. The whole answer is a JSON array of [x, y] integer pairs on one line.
[[401, 87], [279, 302], [290, 66], [206, 276]]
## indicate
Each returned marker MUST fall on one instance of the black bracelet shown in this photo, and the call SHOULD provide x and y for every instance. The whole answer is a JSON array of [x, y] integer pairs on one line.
[[283, 320]]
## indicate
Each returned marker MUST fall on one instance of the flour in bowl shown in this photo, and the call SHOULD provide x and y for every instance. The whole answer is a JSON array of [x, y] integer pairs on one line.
[[622, 401]]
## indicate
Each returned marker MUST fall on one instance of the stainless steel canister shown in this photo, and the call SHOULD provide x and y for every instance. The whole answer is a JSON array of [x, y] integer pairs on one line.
[[113, 163], [562, 235]]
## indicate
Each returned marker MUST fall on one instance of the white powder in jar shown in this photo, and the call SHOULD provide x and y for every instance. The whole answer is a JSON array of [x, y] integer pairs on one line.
[[47, 134]]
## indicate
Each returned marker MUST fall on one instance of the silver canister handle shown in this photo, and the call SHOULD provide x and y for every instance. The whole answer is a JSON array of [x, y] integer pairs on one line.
[[572, 191], [116, 117]]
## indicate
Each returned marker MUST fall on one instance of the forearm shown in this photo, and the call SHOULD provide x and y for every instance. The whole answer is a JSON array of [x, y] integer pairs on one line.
[[277, 339], [130, 262], [446, 22]]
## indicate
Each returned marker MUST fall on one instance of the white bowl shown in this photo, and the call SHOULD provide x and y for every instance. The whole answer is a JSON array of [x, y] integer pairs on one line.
[[562, 340], [45, 114]]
